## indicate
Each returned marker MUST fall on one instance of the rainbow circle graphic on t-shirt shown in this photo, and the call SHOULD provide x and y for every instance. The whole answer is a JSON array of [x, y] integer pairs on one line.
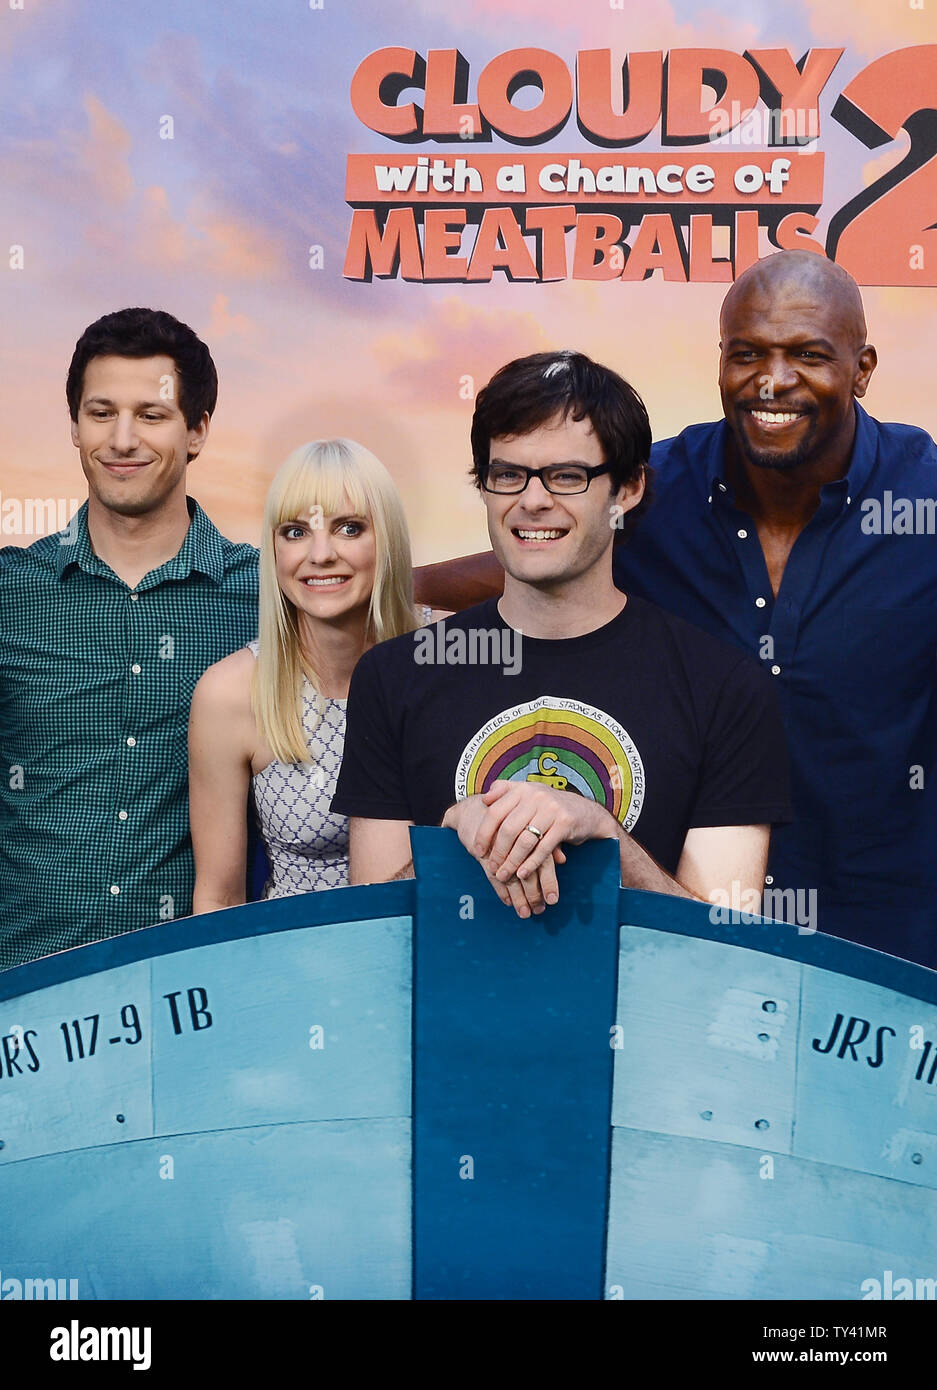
[[557, 743]]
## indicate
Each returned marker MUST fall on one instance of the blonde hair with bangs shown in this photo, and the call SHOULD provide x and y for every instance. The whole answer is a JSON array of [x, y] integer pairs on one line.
[[319, 475]]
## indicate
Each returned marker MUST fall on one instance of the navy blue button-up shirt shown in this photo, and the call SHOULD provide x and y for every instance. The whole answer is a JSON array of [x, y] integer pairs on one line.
[[851, 640]]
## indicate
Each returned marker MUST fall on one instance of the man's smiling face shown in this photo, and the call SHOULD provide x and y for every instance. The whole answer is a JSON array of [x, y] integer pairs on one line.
[[131, 434], [542, 538], [791, 363]]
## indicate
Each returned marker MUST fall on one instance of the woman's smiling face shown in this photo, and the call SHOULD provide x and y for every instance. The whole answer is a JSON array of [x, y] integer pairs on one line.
[[326, 562]]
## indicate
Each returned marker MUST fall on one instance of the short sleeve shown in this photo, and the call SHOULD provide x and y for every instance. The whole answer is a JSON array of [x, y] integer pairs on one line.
[[371, 781], [745, 778]]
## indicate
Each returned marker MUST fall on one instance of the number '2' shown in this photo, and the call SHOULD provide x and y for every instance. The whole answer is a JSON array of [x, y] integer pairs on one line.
[[875, 235]]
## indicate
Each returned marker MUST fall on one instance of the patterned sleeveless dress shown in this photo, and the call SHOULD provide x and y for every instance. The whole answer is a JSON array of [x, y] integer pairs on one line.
[[306, 845]]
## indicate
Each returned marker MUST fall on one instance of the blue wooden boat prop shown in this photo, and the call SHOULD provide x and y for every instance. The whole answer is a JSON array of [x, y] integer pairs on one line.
[[404, 1091]]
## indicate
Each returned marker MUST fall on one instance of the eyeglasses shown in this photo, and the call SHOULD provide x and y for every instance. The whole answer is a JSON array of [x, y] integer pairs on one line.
[[562, 478]]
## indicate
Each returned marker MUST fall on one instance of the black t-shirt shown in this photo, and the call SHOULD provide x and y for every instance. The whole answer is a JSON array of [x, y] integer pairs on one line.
[[660, 723]]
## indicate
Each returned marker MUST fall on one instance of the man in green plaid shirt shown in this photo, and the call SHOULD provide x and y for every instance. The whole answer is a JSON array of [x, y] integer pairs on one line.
[[104, 630]]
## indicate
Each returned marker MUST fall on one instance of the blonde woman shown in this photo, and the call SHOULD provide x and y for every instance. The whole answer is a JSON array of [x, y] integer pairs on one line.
[[268, 722]]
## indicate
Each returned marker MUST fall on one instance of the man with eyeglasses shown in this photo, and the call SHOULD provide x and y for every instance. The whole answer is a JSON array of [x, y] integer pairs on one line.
[[617, 722]]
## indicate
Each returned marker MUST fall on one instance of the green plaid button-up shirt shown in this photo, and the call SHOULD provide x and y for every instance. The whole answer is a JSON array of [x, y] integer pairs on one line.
[[95, 685]]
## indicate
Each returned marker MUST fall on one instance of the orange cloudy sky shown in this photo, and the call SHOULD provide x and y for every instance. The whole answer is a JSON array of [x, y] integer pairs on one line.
[[215, 225]]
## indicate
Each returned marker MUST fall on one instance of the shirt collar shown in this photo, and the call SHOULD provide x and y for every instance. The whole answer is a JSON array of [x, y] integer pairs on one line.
[[75, 545], [715, 461], [201, 550], [864, 452], [860, 465]]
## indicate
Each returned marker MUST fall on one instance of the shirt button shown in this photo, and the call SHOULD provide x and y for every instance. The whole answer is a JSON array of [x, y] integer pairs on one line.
[[848, 501], [131, 742], [769, 878], [743, 534], [114, 890], [709, 499], [722, 487], [775, 670], [759, 603], [121, 815], [135, 668], [134, 597]]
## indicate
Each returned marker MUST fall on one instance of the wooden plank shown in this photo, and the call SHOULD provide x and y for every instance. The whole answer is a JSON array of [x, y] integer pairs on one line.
[[708, 1040], [98, 1097], [284, 1211], [305, 1025], [691, 1219], [297, 1025], [512, 1079], [867, 1079]]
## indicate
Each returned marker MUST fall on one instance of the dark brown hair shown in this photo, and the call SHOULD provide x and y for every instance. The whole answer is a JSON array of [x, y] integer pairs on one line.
[[148, 333]]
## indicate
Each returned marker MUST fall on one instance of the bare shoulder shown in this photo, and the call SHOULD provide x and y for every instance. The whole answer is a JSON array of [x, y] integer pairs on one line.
[[225, 687]]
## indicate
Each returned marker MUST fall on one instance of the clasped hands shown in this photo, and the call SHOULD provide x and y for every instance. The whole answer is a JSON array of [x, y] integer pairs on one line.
[[516, 829]]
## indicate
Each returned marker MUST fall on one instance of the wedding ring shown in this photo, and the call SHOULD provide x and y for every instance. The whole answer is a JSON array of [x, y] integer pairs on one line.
[[534, 831]]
